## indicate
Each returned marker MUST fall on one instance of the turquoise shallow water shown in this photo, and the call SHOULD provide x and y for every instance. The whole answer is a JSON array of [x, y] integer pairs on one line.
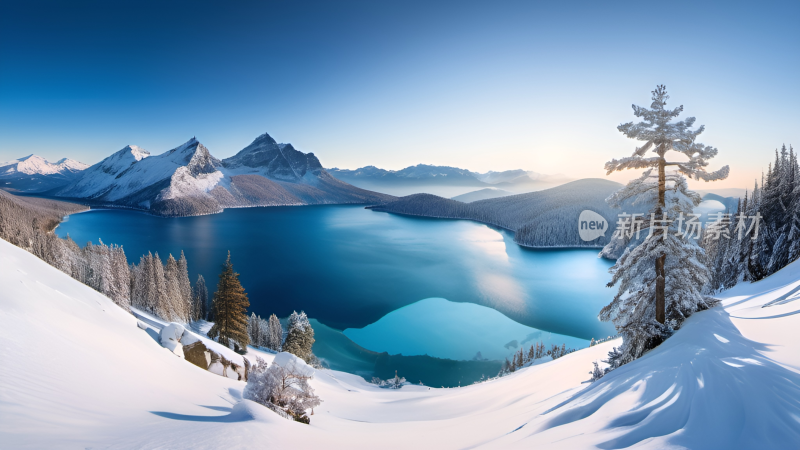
[[444, 329], [348, 267]]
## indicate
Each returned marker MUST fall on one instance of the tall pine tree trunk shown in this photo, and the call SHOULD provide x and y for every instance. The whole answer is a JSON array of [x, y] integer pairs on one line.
[[660, 272]]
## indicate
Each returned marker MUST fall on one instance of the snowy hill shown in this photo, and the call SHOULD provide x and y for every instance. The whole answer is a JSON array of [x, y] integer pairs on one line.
[[547, 218], [482, 194], [35, 174], [78, 373], [188, 180]]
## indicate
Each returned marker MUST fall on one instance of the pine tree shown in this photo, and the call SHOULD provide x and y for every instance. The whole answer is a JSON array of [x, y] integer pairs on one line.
[[660, 280], [230, 309], [185, 289], [300, 337], [158, 289], [122, 276], [254, 330], [200, 298], [178, 310], [275, 336]]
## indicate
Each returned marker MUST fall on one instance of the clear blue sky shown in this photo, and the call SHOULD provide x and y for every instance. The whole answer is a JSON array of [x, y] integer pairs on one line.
[[480, 85]]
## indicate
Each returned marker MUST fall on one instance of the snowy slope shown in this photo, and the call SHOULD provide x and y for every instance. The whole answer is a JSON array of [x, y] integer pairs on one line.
[[78, 373]]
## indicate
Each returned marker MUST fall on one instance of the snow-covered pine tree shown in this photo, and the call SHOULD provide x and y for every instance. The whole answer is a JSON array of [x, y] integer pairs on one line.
[[685, 275], [121, 280], [263, 337], [200, 297], [177, 307], [139, 274], [506, 368], [157, 287], [396, 382], [759, 245], [728, 256], [230, 309], [596, 373], [794, 230], [746, 244], [185, 288], [300, 337], [275, 333], [660, 280], [254, 329]]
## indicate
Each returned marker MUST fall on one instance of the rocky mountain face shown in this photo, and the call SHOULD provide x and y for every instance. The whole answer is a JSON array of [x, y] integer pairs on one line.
[[188, 180], [277, 161], [35, 174]]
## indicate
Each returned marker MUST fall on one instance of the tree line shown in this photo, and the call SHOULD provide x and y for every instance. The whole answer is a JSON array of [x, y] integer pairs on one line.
[[525, 357], [737, 251]]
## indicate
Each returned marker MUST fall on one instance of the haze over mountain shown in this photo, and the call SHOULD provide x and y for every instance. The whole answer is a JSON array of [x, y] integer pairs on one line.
[[482, 194], [444, 181], [188, 180], [33, 173], [543, 219]]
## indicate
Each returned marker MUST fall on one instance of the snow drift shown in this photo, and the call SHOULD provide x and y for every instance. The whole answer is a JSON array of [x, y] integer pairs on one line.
[[78, 372]]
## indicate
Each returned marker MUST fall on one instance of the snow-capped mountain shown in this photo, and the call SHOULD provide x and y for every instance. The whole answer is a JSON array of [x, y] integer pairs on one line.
[[35, 174], [278, 161], [188, 180]]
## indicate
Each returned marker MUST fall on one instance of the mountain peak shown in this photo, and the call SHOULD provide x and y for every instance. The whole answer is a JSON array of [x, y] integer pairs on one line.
[[264, 138]]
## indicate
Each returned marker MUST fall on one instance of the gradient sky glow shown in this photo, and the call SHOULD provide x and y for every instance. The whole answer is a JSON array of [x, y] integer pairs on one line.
[[478, 85]]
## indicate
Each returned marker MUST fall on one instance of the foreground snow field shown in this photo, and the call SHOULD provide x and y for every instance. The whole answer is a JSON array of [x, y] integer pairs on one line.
[[77, 372]]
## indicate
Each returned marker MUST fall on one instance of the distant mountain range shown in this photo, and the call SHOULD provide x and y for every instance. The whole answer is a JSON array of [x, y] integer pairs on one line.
[[35, 174], [444, 180], [188, 180]]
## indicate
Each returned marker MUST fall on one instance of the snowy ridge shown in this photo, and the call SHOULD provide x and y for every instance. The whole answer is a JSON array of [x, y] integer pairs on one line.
[[35, 174], [729, 378], [36, 165], [188, 180]]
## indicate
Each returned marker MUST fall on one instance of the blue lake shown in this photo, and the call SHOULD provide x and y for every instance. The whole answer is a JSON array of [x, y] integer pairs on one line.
[[348, 267]]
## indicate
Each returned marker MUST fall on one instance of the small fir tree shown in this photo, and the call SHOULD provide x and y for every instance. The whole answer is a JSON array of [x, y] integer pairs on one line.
[[275, 333], [200, 298], [300, 337], [230, 309]]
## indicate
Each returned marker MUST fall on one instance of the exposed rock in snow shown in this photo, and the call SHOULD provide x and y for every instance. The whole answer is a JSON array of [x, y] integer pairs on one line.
[[197, 354]]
